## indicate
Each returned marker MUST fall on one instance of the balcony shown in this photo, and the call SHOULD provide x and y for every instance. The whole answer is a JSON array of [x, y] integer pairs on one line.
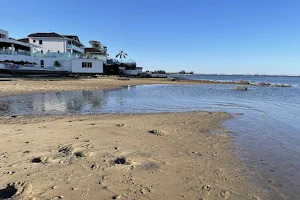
[[75, 48], [67, 55]]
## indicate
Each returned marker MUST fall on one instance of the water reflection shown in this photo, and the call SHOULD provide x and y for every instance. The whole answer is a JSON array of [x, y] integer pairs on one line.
[[54, 103]]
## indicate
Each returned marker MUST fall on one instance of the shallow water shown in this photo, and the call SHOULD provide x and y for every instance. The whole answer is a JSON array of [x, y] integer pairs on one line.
[[267, 132], [292, 80]]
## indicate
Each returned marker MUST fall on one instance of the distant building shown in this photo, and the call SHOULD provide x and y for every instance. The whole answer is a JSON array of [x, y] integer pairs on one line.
[[45, 53], [94, 53], [55, 43]]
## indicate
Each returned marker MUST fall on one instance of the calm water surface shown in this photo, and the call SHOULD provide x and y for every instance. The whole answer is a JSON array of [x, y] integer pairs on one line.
[[268, 132], [292, 80]]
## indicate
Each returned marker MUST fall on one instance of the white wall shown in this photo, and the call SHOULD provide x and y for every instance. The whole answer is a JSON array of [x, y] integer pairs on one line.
[[139, 70], [66, 65], [97, 66], [50, 44], [4, 32], [131, 72]]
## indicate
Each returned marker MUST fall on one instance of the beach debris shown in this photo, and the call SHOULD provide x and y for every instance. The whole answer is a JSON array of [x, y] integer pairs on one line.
[[158, 132], [243, 88]]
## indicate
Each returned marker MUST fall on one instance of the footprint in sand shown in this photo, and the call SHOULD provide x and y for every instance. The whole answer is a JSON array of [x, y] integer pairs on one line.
[[19, 190], [135, 159], [43, 159], [70, 151]]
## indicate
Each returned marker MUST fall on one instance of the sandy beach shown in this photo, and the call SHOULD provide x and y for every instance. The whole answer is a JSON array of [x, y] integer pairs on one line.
[[117, 156]]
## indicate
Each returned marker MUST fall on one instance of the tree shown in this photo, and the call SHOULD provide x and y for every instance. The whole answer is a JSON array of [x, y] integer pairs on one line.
[[121, 55], [96, 44], [159, 71], [105, 51], [182, 72], [57, 64]]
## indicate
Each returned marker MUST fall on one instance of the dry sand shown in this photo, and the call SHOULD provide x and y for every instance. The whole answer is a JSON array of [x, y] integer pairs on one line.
[[111, 156]]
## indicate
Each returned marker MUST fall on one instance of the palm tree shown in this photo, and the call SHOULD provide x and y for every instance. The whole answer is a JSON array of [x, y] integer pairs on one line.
[[121, 55]]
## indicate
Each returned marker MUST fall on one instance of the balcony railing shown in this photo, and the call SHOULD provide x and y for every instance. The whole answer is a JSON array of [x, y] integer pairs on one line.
[[70, 46], [9, 52]]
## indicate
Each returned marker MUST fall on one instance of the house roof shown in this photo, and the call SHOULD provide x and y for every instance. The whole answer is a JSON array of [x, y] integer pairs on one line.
[[92, 50], [73, 37], [25, 40], [52, 34], [56, 35]]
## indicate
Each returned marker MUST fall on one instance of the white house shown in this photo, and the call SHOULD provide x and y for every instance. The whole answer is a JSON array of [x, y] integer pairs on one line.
[[57, 53], [56, 43], [14, 50]]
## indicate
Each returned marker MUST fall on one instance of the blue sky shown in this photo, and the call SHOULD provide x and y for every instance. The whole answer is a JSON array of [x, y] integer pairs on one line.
[[204, 36]]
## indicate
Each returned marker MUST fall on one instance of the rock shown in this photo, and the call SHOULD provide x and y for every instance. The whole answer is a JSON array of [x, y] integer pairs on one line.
[[243, 82], [262, 84], [282, 85], [240, 88]]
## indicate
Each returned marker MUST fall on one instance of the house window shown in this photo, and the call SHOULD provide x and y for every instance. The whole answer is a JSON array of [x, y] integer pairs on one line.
[[69, 42], [57, 51], [42, 51], [87, 65], [41, 42], [33, 41], [42, 63]]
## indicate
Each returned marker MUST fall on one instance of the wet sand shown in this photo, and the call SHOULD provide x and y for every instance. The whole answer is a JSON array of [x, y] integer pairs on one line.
[[16, 86], [112, 156]]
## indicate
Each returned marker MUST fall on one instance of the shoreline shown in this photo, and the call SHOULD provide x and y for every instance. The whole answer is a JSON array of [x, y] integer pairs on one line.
[[22, 86], [75, 155]]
